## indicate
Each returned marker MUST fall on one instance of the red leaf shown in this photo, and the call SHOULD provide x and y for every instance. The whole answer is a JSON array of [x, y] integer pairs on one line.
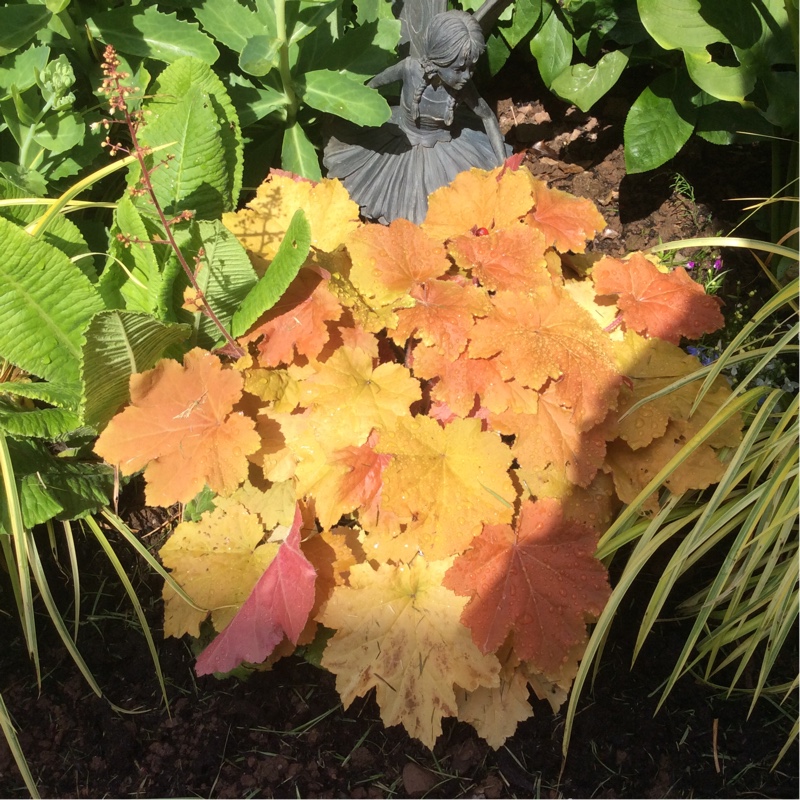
[[540, 581], [278, 605]]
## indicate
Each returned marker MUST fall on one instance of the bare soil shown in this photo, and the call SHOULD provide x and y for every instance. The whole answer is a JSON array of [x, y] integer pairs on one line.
[[283, 733]]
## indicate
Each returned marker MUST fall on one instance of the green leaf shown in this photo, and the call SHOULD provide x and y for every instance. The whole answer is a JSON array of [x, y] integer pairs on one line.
[[228, 21], [60, 132], [225, 278], [291, 255], [19, 24], [308, 17], [151, 34], [52, 393], [659, 123], [196, 176], [526, 15], [335, 93], [260, 55], [298, 154], [118, 344], [21, 69], [176, 81], [255, 103], [45, 303], [38, 423], [585, 85], [724, 83], [678, 23], [552, 48]]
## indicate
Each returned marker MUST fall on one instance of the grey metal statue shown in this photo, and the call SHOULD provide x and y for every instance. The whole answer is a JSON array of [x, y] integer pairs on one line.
[[441, 127]]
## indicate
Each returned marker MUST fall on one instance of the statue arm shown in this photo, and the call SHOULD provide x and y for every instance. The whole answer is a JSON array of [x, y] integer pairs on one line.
[[481, 108], [397, 72]]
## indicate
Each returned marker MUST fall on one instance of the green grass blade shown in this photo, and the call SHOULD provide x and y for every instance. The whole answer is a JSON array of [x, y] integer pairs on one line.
[[69, 538], [137, 606], [14, 746]]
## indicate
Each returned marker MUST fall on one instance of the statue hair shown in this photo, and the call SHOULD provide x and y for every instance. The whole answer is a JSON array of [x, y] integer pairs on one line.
[[450, 37]]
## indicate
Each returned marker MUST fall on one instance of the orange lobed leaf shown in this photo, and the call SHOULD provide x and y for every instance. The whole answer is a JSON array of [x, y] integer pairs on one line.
[[667, 305], [539, 580], [479, 199], [297, 323], [510, 259], [390, 261], [180, 427], [566, 222], [547, 336], [443, 316]]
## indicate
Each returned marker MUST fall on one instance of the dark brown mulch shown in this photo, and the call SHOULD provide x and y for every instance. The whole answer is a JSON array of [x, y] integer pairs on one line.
[[283, 733]]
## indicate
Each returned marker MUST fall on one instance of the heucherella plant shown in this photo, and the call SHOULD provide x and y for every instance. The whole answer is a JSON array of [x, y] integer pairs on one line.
[[422, 445]]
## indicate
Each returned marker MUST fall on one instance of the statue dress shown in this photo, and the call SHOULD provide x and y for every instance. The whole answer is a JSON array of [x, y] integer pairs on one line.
[[441, 127]]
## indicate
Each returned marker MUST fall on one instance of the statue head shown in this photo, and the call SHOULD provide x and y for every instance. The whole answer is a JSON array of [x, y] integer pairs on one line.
[[453, 43]]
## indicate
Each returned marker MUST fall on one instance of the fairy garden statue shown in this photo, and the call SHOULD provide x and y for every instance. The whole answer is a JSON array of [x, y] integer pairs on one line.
[[441, 127]]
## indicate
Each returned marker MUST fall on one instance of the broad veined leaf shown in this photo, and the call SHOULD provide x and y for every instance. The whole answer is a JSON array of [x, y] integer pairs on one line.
[[152, 34], [259, 55], [119, 344], [398, 631], [37, 423], [687, 24], [443, 483], [731, 83], [547, 336], [566, 222], [41, 329], [552, 48], [175, 81], [539, 581], [217, 561], [180, 428], [22, 68], [344, 96], [19, 24], [585, 85], [228, 21], [668, 305], [281, 272], [197, 177], [278, 605]]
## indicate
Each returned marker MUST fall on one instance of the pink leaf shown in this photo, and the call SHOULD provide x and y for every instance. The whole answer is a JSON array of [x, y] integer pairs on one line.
[[279, 604]]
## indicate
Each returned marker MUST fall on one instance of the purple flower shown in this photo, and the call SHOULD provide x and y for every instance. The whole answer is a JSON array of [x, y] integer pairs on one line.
[[718, 264], [690, 265]]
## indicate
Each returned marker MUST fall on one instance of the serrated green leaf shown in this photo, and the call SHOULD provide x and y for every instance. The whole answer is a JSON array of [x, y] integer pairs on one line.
[[225, 278], [259, 55], [339, 94], [298, 154], [118, 344], [19, 24], [38, 423], [585, 85], [152, 34], [659, 123], [291, 255], [228, 21], [45, 303], [196, 177], [177, 80], [52, 393], [552, 48]]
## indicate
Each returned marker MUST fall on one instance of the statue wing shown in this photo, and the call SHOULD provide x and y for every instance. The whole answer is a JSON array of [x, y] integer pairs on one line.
[[414, 17]]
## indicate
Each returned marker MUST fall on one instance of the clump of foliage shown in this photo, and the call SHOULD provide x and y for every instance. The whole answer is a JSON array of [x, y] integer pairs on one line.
[[422, 445]]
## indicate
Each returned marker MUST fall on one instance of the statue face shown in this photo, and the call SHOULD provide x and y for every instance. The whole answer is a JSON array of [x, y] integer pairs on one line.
[[456, 75]]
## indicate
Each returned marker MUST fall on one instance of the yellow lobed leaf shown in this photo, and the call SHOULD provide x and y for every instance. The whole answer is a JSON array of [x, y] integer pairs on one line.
[[398, 631], [217, 561], [444, 484], [261, 226]]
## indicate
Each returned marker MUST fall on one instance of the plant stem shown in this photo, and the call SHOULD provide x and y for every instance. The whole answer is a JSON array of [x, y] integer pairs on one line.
[[283, 66]]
